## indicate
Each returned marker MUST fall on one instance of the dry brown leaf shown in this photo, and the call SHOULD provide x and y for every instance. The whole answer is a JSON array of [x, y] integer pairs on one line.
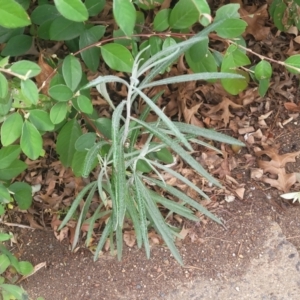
[[47, 72], [283, 182], [224, 107], [291, 106], [278, 161], [129, 238], [33, 223], [256, 19]]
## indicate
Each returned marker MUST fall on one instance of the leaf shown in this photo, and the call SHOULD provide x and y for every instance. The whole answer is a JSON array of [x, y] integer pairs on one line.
[[66, 139], [14, 290], [44, 13], [124, 15], [22, 194], [3, 86], [263, 86], [62, 29], [8, 155], [85, 104], [85, 141], [11, 129], [4, 263], [26, 267], [155, 43], [73, 10], [293, 61], [94, 7], [17, 45], [263, 70], [31, 141], [60, 93], [91, 56], [129, 238], [13, 170], [72, 72], [231, 28], [58, 112], [5, 237], [41, 120], [228, 11], [4, 196], [104, 125], [26, 68], [161, 20], [117, 57], [30, 91], [204, 12], [13, 14], [183, 15]]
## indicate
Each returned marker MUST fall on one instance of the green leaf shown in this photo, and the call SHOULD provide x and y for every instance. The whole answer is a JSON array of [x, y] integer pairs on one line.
[[117, 57], [6, 34], [13, 14], [11, 129], [44, 13], [204, 11], [228, 11], [41, 120], [234, 87], [4, 263], [94, 7], [30, 91], [183, 15], [78, 162], [164, 155], [62, 29], [168, 42], [3, 209], [73, 10], [26, 68], [4, 196], [58, 112], [60, 93], [104, 126], [85, 141], [31, 141], [14, 290], [8, 155], [3, 86], [91, 56], [155, 43], [72, 72], [124, 15], [161, 20], [293, 61], [26, 268], [25, 3], [85, 104], [17, 45], [263, 86], [143, 166], [22, 194], [14, 169], [231, 28], [263, 70], [5, 237], [66, 139]]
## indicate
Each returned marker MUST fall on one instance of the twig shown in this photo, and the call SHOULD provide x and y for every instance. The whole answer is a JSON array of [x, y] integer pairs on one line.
[[16, 225]]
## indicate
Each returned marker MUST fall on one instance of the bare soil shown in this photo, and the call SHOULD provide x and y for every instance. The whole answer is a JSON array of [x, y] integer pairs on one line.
[[219, 253]]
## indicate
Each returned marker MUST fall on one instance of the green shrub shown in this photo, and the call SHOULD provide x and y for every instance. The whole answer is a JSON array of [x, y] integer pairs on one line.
[[126, 170]]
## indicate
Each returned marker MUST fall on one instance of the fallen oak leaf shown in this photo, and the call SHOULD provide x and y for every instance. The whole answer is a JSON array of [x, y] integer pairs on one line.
[[129, 238]]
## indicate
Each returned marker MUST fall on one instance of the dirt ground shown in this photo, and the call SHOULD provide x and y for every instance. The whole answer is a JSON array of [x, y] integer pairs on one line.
[[219, 253]]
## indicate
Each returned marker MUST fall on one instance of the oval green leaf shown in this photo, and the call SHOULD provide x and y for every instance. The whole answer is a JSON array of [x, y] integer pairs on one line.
[[13, 14], [85, 104], [231, 28], [41, 120], [72, 72], [117, 57], [94, 7], [26, 268], [17, 45], [4, 263], [11, 129], [124, 15], [14, 169], [73, 10], [161, 20], [60, 93], [293, 61], [183, 15], [8, 155], [62, 29], [58, 112], [263, 70], [26, 68], [22, 194], [30, 91], [31, 141], [85, 141], [44, 13], [3, 86]]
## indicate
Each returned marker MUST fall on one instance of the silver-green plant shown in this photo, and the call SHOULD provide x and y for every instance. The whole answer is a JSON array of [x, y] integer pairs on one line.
[[127, 172]]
